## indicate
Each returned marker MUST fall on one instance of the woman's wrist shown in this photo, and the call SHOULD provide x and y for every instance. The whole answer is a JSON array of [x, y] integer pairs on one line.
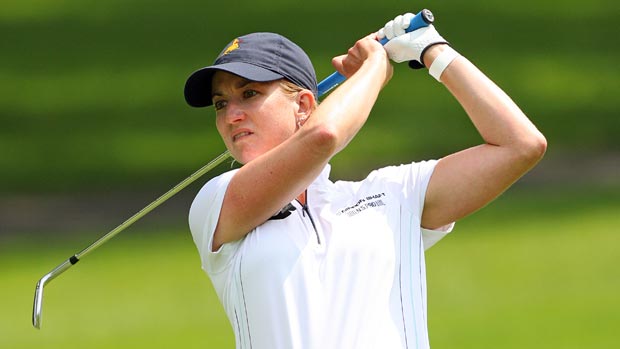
[[431, 54], [439, 60], [381, 63]]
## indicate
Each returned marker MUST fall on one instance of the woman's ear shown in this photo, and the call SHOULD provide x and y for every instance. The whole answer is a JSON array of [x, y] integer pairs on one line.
[[305, 105]]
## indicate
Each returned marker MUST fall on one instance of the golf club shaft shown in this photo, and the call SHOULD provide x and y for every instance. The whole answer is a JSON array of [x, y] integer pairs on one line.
[[177, 188], [38, 298]]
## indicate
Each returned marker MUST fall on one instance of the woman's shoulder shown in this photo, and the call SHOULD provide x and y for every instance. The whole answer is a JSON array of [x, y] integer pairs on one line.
[[392, 172], [394, 178], [214, 187], [218, 181]]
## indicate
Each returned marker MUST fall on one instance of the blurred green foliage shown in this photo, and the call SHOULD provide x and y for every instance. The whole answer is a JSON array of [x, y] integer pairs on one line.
[[91, 94]]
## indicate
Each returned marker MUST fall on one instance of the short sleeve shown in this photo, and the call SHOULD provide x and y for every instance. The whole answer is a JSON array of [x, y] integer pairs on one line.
[[203, 217], [411, 182]]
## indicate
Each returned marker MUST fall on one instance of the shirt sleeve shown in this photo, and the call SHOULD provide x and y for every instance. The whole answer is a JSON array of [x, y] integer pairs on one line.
[[203, 217], [411, 181], [430, 237]]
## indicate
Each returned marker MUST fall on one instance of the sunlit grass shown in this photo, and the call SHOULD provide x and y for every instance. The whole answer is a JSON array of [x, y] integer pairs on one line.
[[140, 290], [531, 270], [537, 278]]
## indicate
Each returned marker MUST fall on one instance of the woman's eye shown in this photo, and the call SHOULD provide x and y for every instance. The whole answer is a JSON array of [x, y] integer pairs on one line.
[[249, 93], [219, 104]]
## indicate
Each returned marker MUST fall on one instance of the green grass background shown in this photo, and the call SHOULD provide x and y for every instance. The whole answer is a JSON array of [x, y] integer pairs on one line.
[[528, 271], [91, 105]]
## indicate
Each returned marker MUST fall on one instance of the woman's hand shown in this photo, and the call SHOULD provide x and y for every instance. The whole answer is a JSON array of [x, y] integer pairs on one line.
[[366, 50]]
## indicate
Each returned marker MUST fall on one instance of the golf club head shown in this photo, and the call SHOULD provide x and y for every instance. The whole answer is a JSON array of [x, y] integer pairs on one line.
[[37, 307], [38, 303]]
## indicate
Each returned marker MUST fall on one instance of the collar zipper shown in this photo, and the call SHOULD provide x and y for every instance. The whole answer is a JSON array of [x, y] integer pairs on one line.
[[304, 210]]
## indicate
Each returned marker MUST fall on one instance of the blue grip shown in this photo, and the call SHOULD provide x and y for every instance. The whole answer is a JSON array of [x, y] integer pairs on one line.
[[423, 19], [330, 82]]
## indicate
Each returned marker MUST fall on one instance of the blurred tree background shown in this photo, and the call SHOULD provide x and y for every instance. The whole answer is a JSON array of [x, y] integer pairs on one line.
[[94, 127]]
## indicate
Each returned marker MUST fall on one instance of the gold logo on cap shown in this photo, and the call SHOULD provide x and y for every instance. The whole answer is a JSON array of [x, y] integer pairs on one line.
[[233, 46]]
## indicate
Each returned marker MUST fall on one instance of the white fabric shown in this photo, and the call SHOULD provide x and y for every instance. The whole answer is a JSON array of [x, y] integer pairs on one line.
[[355, 280], [441, 62]]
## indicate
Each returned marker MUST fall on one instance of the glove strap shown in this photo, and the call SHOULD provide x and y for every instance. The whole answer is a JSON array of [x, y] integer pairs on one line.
[[442, 61]]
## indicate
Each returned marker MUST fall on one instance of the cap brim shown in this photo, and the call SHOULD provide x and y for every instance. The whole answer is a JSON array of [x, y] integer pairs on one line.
[[198, 85]]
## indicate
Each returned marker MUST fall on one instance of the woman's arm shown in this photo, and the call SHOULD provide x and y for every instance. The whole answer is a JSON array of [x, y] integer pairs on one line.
[[467, 180]]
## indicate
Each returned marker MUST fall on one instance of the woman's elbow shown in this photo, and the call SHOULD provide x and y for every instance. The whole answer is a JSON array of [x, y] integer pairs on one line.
[[534, 147], [323, 139]]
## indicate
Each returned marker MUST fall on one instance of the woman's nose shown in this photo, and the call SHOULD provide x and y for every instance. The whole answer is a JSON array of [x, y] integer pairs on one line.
[[234, 113]]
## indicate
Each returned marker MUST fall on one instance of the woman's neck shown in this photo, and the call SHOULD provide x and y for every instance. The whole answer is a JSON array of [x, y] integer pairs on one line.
[[302, 197]]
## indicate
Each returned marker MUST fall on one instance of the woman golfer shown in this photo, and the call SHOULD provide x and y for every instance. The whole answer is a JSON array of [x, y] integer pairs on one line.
[[299, 261]]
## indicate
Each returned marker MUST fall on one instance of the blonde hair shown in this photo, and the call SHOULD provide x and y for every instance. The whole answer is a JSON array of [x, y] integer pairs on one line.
[[291, 90]]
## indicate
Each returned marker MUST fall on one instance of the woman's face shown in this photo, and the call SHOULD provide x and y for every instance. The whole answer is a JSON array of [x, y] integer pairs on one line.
[[251, 117]]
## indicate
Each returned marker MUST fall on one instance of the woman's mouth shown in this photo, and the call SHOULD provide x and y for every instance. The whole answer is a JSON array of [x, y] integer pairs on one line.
[[240, 135]]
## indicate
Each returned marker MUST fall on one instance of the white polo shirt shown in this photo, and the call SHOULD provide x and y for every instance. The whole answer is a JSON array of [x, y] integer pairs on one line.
[[346, 272]]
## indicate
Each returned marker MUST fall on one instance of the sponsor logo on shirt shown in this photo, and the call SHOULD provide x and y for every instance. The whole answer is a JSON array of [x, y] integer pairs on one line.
[[370, 201]]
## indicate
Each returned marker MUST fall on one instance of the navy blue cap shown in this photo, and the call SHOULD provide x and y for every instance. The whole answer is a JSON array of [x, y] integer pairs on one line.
[[258, 57]]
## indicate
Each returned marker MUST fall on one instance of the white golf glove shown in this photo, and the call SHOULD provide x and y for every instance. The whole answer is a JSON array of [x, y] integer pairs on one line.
[[404, 46]]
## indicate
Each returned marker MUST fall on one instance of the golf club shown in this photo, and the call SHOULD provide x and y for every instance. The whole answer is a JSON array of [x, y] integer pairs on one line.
[[38, 294], [422, 19]]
